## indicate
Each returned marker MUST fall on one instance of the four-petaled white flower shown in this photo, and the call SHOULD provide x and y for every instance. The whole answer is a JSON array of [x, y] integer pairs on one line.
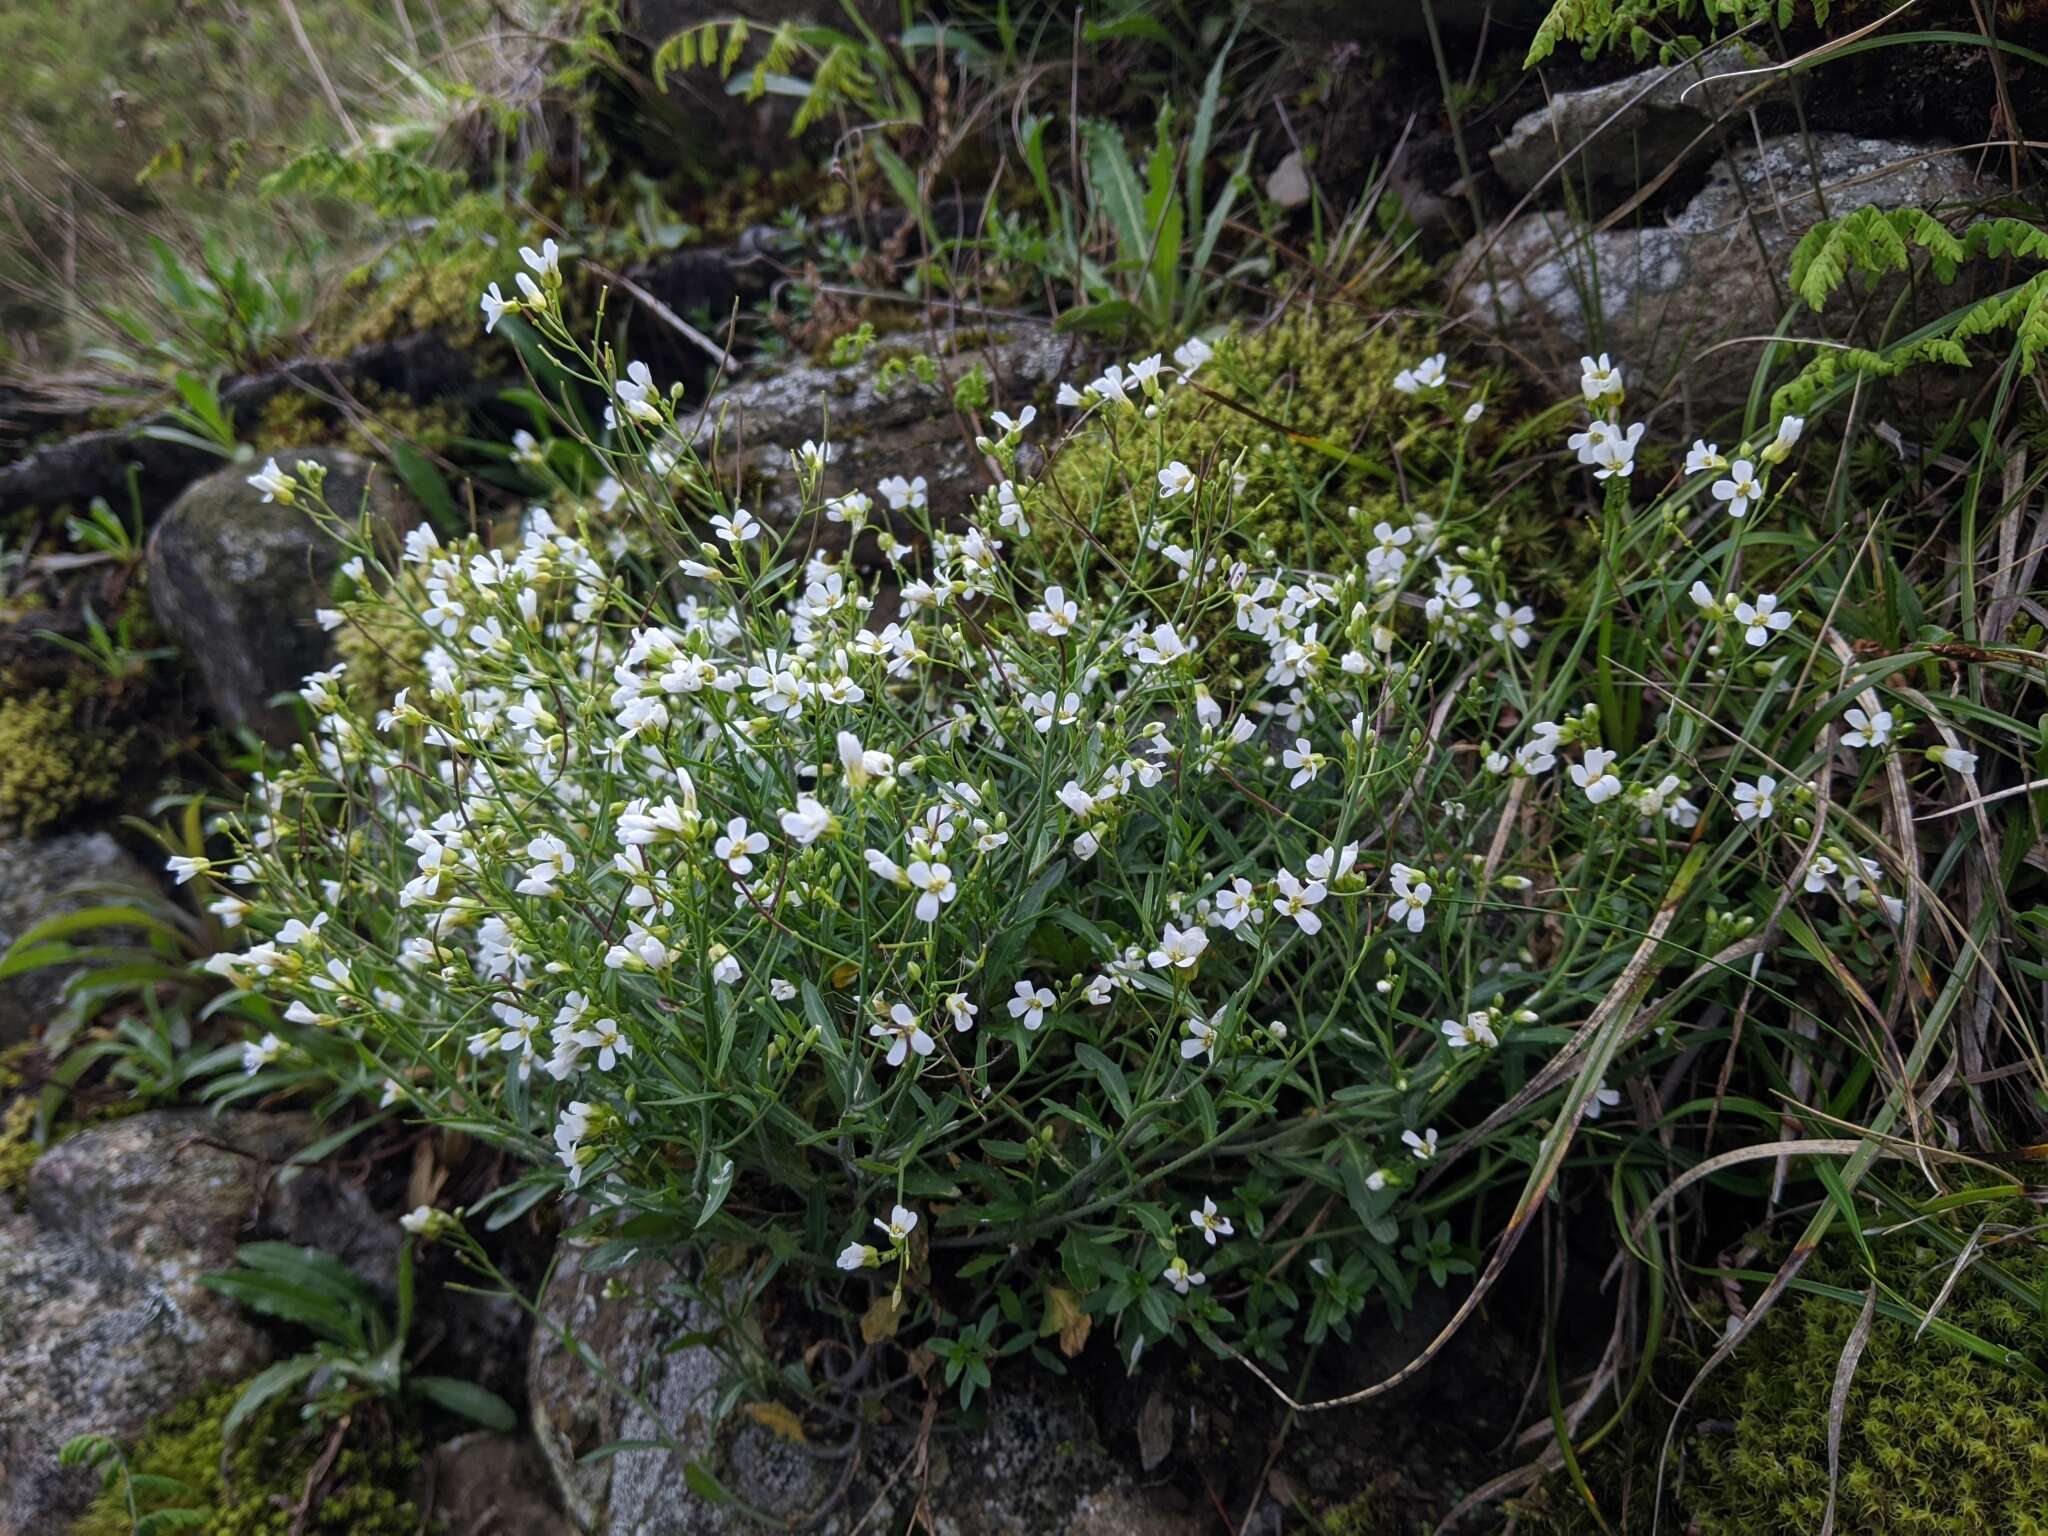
[[1427, 374], [1180, 1277], [737, 528], [1761, 619], [806, 824], [1423, 1147], [1304, 760], [274, 483], [1867, 730], [1298, 901], [1211, 1223], [1412, 895], [1596, 776], [1741, 488], [1030, 1004], [1475, 1029], [1599, 379], [1512, 625], [904, 1034], [496, 307], [738, 844], [1703, 456], [1756, 802], [1176, 480], [1056, 614], [935, 887], [1179, 948]]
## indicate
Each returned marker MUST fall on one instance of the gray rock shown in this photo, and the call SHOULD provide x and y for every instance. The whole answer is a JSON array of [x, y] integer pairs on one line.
[[909, 429], [103, 1321], [483, 1484], [46, 877], [236, 580], [1623, 132], [1660, 298], [1037, 1464]]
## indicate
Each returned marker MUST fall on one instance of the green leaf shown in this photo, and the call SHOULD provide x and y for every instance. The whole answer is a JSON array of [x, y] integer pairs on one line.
[[427, 485], [719, 1187], [265, 1386], [478, 1404]]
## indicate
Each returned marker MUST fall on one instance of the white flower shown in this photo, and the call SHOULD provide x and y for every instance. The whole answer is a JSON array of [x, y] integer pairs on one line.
[[1761, 619], [1411, 897], [903, 495], [1179, 948], [1756, 802], [1604, 1097], [1030, 1004], [1056, 614], [903, 1033], [1818, 871], [258, 1054], [1423, 1147], [1209, 1223], [1592, 442], [1427, 374], [737, 844], [1596, 776], [1617, 453], [1780, 447], [1191, 354], [1237, 903], [274, 483], [1013, 427], [1201, 1040], [1868, 730], [1050, 709], [1304, 760], [1703, 456], [184, 867], [496, 307], [1599, 379], [1474, 411], [1165, 648], [737, 528], [901, 1223], [807, 823], [1298, 901], [545, 262], [1741, 489], [935, 884], [961, 1010], [1512, 624], [1955, 758], [858, 1256], [1475, 1029], [1180, 1277], [1176, 480]]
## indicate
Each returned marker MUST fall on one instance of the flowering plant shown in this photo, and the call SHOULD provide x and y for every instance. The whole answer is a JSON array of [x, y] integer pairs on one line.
[[1001, 946]]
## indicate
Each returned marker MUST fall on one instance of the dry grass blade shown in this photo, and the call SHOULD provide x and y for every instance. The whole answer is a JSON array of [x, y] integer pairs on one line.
[[1838, 1400]]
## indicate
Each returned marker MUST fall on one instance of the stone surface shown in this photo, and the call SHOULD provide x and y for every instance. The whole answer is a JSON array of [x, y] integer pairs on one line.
[[1660, 298], [103, 1321], [908, 429], [1619, 134], [484, 1484], [45, 877], [1036, 1466], [236, 580]]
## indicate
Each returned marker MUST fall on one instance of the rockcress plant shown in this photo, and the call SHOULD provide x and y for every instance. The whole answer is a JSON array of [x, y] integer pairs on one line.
[[1097, 944]]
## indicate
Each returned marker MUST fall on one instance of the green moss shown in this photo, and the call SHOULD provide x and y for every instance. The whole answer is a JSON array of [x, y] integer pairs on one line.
[[18, 1149], [57, 752], [1310, 420], [258, 1489], [1935, 1439]]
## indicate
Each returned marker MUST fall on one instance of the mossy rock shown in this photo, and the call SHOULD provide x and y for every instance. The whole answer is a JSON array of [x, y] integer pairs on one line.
[[58, 752], [238, 581], [257, 1486]]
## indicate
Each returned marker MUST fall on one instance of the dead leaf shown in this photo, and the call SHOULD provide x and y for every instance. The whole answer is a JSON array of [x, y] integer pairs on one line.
[[778, 1420], [1063, 1316], [882, 1318], [842, 976]]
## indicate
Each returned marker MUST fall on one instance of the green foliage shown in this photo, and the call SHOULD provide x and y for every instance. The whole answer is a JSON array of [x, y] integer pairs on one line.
[[252, 1484], [360, 1353], [1645, 25], [852, 71], [1936, 1438], [212, 308], [1880, 242], [132, 1490]]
